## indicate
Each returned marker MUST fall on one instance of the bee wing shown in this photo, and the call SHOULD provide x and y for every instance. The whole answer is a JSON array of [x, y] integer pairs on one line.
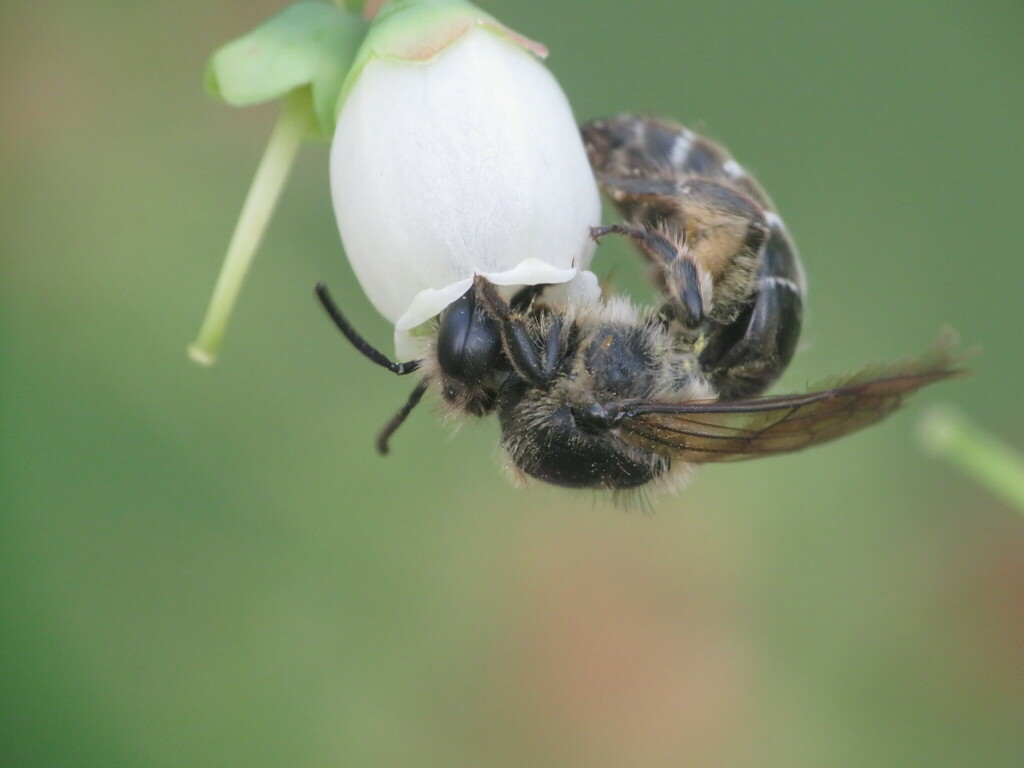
[[711, 431]]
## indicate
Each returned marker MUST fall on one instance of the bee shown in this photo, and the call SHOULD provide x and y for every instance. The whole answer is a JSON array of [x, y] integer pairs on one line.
[[609, 396]]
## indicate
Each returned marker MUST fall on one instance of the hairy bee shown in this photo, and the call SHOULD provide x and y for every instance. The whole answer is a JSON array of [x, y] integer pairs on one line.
[[609, 396]]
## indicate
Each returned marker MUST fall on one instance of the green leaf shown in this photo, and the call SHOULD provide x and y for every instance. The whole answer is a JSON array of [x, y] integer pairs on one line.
[[309, 43]]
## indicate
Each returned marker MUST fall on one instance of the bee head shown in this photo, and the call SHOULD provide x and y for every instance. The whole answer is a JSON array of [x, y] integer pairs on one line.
[[561, 435], [553, 382]]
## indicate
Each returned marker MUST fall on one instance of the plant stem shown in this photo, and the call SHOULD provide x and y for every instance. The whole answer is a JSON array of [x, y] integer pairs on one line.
[[992, 463], [368, 7], [291, 128]]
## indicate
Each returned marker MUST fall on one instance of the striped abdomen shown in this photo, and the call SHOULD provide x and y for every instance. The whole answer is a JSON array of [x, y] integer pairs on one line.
[[648, 167]]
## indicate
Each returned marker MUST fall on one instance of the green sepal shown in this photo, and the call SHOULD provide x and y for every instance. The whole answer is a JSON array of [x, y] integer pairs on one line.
[[416, 31], [309, 43]]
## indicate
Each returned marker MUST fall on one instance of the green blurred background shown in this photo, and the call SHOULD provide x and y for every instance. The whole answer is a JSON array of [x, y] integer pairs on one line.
[[213, 568]]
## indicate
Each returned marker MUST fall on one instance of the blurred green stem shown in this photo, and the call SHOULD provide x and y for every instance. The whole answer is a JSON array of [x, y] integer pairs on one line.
[[992, 463], [368, 7], [286, 138]]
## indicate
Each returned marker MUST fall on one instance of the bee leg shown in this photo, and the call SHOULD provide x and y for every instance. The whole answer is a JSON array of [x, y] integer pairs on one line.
[[399, 418], [744, 357], [362, 345], [682, 281], [524, 297], [642, 200], [515, 336], [620, 187]]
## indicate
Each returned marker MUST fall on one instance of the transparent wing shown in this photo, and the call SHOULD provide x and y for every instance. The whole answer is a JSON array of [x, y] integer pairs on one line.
[[711, 430]]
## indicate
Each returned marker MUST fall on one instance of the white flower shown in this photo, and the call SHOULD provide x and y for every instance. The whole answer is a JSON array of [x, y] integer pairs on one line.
[[467, 162]]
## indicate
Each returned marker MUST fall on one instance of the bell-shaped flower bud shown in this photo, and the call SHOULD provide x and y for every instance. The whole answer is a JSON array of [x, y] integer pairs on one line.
[[456, 153]]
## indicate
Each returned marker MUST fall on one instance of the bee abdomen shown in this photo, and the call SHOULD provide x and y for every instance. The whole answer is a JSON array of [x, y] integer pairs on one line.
[[660, 173], [747, 356], [780, 263], [627, 146]]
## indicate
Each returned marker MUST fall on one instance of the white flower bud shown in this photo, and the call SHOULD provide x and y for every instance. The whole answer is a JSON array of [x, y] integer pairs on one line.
[[467, 163]]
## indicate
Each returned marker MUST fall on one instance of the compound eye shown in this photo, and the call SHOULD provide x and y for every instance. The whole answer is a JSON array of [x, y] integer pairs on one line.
[[468, 341]]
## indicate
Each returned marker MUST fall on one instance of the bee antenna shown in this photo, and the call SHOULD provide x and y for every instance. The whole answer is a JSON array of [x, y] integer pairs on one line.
[[365, 348], [399, 418]]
